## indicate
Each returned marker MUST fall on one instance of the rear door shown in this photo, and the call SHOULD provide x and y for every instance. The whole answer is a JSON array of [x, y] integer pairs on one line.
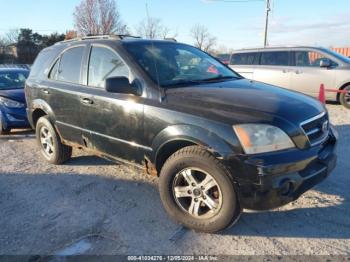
[[62, 89], [307, 75], [274, 68], [112, 123], [244, 63]]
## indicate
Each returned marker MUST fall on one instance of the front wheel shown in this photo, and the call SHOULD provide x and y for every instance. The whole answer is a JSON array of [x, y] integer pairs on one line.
[[196, 191], [345, 98], [50, 143]]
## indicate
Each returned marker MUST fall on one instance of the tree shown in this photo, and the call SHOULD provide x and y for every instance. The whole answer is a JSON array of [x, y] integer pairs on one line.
[[96, 17], [11, 36], [203, 39], [154, 28], [49, 40], [29, 44]]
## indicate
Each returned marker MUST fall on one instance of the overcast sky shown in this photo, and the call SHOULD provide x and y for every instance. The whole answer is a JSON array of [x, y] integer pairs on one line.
[[236, 25]]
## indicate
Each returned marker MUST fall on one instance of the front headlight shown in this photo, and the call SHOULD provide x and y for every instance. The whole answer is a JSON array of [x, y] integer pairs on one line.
[[261, 138], [10, 103]]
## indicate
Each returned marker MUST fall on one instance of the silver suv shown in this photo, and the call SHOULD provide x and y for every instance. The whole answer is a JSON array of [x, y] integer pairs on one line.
[[302, 69]]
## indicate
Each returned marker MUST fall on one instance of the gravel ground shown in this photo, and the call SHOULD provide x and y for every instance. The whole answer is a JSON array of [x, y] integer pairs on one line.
[[92, 206]]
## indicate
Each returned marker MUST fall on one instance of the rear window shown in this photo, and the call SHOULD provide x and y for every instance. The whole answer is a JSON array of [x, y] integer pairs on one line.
[[70, 65], [42, 63], [245, 59], [276, 58]]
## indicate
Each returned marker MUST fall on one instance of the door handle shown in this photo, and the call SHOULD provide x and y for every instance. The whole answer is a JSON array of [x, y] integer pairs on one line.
[[285, 71], [45, 91], [87, 101], [298, 72]]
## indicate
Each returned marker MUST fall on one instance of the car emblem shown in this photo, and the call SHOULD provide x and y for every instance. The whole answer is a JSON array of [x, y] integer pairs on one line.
[[324, 126]]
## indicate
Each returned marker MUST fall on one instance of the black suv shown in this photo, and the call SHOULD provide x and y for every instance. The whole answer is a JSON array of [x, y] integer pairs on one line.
[[218, 142]]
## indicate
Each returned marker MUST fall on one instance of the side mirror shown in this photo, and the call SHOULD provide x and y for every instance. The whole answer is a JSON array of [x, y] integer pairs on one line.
[[121, 85], [325, 63]]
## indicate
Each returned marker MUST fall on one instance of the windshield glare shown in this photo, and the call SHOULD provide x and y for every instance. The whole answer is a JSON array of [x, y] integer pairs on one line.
[[171, 64], [12, 79]]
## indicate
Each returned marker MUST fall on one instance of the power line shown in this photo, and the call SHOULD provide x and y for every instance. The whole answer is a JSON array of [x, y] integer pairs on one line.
[[268, 10]]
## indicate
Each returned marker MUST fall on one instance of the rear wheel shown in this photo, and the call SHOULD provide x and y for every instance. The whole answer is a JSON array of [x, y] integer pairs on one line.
[[196, 191], [50, 144], [344, 98]]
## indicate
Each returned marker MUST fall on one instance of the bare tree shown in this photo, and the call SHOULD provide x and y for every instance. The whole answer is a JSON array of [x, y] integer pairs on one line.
[[96, 17], [203, 39], [154, 28], [11, 37]]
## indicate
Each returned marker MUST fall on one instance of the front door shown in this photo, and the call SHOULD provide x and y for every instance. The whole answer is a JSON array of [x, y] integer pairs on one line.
[[307, 75], [111, 123]]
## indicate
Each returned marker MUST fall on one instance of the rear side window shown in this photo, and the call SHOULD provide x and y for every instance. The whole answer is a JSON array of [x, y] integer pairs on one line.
[[245, 59], [276, 58], [104, 63], [42, 63], [70, 65]]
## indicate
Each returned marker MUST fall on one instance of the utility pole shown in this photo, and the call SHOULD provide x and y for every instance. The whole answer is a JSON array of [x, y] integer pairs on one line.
[[268, 9]]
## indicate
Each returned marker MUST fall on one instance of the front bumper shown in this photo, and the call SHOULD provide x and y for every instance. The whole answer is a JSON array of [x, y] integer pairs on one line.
[[270, 180], [14, 117]]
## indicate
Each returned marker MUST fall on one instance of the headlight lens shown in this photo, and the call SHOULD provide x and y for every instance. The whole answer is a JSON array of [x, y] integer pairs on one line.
[[261, 138], [10, 103]]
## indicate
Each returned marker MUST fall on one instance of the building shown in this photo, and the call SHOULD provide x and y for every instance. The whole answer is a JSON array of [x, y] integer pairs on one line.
[[342, 50]]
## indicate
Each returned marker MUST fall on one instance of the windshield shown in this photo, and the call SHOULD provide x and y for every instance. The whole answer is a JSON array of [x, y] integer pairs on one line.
[[12, 79], [337, 55], [173, 64]]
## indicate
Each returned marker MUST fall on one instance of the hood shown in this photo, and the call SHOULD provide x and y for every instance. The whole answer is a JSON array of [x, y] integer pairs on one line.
[[14, 94], [244, 101]]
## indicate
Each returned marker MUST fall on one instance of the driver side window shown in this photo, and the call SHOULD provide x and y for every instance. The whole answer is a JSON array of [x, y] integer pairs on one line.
[[103, 64], [310, 59]]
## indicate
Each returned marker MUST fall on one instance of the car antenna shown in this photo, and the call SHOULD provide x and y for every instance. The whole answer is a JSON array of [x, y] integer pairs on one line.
[[162, 93]]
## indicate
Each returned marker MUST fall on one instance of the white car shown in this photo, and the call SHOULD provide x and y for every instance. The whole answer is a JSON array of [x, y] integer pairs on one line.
[[302, 69]]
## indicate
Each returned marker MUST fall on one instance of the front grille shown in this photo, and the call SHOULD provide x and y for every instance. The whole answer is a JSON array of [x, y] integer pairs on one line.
[[316, 129]]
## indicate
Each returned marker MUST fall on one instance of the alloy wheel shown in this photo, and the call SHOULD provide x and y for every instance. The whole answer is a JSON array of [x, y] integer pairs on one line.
[[46, 141], [197, 193]]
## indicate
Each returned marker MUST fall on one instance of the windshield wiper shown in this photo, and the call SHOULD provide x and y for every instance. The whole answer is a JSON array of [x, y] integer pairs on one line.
[[182, 82], [217, 78]]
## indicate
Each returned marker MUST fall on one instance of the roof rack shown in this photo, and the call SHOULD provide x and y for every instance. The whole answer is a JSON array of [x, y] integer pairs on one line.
[[112, 36]]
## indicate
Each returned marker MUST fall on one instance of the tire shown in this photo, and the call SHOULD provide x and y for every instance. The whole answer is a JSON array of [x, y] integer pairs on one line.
[[50, 143], [179, 203], [345, 98], [3, 131]]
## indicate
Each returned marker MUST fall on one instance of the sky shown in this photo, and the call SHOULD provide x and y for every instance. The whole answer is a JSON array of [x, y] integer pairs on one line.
[[235, 24]]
